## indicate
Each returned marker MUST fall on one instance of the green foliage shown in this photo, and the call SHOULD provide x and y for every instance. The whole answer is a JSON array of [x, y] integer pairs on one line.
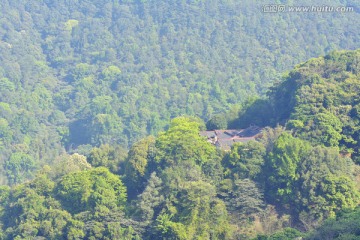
[[319, 100], [326, 186], [192, 209], [255, 111], [86, 74], [115, 80], [19, 167], [5, 132], [246, 199], [139, 155], [37, 209], [245, 159], [282, 166], [111, 73], [217, 122], [83, 191], [149, 202], [310, 175], [314, 182], [107, 156], [269, 137], [6, 84], [182, 142], [69, 163], [30, 211], [138, 164], [183, 193], [345, 226], [287, 233], [70, 24], [326, 129]]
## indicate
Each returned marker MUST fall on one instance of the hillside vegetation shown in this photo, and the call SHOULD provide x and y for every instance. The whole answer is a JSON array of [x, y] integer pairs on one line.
[[318, 101], [297, 180], [78, 74]]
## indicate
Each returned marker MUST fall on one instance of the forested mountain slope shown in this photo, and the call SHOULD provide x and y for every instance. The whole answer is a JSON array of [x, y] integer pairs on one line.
[[92, 72], [318, 100], [288, 183]]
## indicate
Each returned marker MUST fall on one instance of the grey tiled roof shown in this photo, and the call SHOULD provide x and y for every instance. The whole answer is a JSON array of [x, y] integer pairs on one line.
[[225, 143], [226, 138], [249, 132]]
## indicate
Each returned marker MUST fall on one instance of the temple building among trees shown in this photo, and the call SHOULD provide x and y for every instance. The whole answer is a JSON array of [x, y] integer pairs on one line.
[[224, 139]]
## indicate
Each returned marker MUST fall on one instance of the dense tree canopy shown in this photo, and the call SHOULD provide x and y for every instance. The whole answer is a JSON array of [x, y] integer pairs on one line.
[[101, 104], [74, 74], [321, 105]]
